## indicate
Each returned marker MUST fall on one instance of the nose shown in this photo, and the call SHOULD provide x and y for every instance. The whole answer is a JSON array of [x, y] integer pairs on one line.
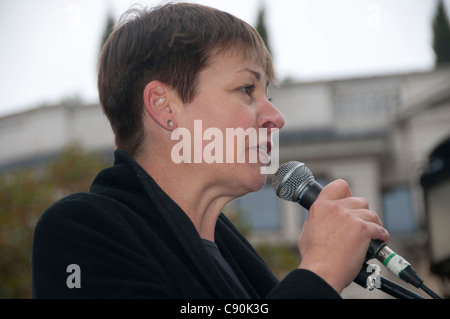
[[270, 117]]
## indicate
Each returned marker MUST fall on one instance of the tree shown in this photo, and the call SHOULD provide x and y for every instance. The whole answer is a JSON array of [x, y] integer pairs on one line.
[[261, 26], [24, 195], [109, 27], [441, 35]]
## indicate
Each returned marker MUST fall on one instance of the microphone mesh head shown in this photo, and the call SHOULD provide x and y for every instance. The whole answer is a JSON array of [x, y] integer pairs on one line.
[[288, 178]]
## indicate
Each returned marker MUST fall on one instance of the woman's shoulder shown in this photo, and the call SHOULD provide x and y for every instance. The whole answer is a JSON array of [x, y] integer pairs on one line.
[[79, 211]]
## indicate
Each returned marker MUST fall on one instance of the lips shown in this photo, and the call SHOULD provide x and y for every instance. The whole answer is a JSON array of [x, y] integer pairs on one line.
[[266, 147]]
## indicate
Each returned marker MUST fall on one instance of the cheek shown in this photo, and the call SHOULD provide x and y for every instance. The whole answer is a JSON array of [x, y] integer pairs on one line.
[[239, 138], [230, 120]]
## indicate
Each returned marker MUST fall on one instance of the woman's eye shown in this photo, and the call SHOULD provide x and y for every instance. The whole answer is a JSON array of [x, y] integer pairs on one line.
[[248, 89]]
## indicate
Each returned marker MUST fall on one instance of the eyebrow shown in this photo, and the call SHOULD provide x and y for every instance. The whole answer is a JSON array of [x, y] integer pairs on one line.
[[255, 73]]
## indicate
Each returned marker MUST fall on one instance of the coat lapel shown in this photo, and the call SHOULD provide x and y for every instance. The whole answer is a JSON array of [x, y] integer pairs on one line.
[[184, 231], [250, 268]]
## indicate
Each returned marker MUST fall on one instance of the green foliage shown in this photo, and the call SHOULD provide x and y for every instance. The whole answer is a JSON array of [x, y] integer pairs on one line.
[[261, 27], [109, 27], [441, 35], [24, 195], [281, 258]]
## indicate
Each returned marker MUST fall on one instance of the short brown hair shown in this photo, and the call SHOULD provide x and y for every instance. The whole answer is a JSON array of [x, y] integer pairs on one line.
[[171, 43]]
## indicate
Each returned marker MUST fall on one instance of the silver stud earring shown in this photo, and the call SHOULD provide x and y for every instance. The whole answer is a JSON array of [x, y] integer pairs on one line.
[[169, 123]]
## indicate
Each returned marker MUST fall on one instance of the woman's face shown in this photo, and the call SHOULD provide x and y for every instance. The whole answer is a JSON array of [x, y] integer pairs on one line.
[[232, 101]]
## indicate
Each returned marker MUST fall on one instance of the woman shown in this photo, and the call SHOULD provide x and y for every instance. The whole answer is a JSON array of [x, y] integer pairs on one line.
[[152, 227]]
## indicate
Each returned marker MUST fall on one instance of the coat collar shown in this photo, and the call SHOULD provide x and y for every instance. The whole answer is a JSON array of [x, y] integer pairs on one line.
[[182, 228]]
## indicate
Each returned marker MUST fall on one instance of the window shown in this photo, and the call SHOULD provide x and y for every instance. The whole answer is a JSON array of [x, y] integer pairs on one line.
[[261, 209], [398, 210], [364, 102]]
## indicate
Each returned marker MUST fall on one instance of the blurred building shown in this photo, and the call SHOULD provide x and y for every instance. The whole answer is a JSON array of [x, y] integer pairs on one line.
[[31, 138], [374, 132]]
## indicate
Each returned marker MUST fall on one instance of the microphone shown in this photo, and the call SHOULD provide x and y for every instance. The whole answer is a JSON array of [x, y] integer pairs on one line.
[[294, 181]]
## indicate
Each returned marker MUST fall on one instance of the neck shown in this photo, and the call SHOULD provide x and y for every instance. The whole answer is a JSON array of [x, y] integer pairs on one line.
[[200, 197]]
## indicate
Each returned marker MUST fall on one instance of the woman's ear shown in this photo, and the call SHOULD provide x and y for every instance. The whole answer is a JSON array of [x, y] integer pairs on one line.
[[157, 105]]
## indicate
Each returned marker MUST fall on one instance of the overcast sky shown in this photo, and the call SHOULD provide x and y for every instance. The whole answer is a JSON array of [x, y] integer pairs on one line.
[[49, 48]]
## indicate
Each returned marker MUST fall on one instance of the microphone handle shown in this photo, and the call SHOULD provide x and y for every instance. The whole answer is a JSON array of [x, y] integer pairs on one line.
[[377, 248], [374, 248], [309, 194]]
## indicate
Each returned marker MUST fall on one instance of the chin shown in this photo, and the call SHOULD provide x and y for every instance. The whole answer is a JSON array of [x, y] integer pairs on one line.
[[255, 180], [244, 179]]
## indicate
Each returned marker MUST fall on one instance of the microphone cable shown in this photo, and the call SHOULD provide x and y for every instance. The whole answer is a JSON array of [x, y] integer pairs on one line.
[[430, 292]]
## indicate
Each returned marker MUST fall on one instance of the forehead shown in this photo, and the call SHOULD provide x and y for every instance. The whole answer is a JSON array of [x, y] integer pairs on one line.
[[255, 55], [237, 62]]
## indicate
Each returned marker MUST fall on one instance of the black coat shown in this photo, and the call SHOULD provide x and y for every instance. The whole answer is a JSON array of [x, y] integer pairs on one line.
[[130, 240]]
